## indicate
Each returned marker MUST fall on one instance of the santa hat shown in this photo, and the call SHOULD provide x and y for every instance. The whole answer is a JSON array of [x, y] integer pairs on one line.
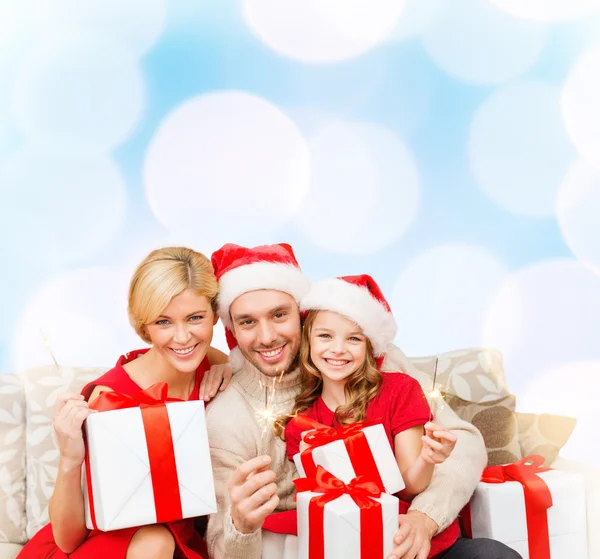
[[240, 269], [360, 299]]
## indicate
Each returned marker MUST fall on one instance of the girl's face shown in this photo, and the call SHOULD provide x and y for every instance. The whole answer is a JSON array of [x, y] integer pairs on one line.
[[337, 346], [182, 333]]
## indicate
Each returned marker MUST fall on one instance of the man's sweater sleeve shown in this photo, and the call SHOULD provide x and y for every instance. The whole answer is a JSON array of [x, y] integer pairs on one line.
[[454, 481], [223, 539]]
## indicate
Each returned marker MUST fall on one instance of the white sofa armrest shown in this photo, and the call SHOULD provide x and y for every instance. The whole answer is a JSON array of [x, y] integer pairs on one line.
[[592, 495]]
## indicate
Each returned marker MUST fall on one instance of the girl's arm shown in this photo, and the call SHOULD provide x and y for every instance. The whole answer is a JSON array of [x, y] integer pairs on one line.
[[418, 453], [416, 471], [66, 507]]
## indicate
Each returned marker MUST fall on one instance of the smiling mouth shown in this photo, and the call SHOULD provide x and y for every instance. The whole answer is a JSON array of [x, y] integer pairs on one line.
[[271, 354], [184, 352], [337, 362]]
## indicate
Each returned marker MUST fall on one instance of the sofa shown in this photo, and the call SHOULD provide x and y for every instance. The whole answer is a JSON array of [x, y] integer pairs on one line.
[[470, 380]]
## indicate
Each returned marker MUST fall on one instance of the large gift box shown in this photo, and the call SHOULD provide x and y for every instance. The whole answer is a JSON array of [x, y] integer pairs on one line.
[[359, 449], [344, 521], [147, 461], [540, 513]]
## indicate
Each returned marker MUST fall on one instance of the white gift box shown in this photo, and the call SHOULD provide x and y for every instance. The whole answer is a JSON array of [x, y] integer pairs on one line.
[[498, 512], [334, 458], [120, 467], [341, 525]]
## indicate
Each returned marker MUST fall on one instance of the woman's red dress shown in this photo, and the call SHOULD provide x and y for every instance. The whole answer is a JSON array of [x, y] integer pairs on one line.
[[101, 545]]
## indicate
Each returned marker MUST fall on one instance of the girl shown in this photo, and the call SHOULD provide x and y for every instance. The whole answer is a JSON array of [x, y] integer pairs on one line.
[[172, 298], [347, 329]]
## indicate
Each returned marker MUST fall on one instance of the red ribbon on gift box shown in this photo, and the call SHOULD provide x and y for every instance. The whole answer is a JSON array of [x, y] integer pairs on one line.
[[538, 500], [354, 439], [159, 441], [363, 492]]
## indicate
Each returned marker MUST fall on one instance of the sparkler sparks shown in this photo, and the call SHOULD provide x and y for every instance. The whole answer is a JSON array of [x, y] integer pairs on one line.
[[267, 416], [48, 347]]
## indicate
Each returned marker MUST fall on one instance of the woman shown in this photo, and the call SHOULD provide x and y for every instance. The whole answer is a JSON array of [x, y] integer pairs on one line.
[[172, 298]]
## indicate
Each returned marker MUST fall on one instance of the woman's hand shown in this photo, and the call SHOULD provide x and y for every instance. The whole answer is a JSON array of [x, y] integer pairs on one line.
[[438, 443], [70, 411], [216, 379]]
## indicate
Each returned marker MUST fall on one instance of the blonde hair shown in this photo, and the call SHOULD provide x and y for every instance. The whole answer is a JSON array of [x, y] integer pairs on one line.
[[162, 275], [361, 386]]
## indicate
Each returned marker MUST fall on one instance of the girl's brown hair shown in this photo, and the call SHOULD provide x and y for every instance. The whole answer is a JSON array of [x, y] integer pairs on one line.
[[361, 386]]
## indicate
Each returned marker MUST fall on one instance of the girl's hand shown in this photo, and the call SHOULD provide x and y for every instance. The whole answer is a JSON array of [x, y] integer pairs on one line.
[[438, 443], [216, 379], [303, 445], [70, 411]]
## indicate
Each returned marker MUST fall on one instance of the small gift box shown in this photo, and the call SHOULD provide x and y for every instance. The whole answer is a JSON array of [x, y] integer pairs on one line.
[[359, 449], [344, 521], [538, 512], [147, 461]]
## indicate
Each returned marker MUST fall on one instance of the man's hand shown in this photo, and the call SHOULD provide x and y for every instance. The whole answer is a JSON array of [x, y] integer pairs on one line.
[[413, 538], [253, 494]]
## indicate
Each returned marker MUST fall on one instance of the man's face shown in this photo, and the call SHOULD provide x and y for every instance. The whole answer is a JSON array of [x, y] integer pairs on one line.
[[266, 324]]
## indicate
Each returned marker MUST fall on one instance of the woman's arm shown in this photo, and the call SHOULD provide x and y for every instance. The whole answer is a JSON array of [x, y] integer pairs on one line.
[[416, 471], [216, 357], [66, 507]]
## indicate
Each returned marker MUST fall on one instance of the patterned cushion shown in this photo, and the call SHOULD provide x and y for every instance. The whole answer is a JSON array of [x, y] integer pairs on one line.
[[12, 460], [544, 434], [474, 374], [497, 423], [42, 387]]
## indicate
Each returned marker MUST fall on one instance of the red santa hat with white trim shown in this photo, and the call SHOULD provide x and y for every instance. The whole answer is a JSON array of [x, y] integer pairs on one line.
[[360, 299], [241, 269]]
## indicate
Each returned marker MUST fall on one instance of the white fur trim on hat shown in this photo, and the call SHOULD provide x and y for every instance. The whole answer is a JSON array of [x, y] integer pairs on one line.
[[357, 304], [260, 275]]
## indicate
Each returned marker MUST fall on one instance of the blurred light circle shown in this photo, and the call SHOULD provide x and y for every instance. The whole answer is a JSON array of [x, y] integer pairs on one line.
[[439, 299], [580, 106], [475, 42], [59, 209], [518, 149], [542, 316], [226, 165], [135, 23], [569, 390], [83, 315], [319, 31], [78, 94], [548, 10], [364, 192], [577, 209], [418, 16]]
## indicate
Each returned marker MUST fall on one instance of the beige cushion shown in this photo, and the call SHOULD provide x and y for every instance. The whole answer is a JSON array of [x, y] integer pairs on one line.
[[544, 434], [12, 460], [473, 374], [497, 423], [42, 387]]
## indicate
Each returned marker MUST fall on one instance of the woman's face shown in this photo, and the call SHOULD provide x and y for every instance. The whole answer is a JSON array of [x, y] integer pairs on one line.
[[183, 331]]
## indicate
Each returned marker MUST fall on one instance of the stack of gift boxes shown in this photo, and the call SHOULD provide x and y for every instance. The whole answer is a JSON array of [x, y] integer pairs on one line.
[[148, 461], [540, 513]]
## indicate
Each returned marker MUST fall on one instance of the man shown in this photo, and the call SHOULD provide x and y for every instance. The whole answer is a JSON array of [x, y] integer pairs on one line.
[[258, 303]]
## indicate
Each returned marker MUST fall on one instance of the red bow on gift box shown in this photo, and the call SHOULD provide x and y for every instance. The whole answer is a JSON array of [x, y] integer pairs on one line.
[[354, 439], [159, 441], [362, 492], [538, 500]]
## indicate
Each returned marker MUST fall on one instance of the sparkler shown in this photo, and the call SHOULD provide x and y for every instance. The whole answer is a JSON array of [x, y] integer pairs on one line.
[[268, 414], [435, 395], [48, 347]]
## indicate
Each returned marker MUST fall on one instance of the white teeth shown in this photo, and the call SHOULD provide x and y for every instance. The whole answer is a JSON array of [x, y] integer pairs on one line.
[[336, 362], [186, 351], [271, 353]]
